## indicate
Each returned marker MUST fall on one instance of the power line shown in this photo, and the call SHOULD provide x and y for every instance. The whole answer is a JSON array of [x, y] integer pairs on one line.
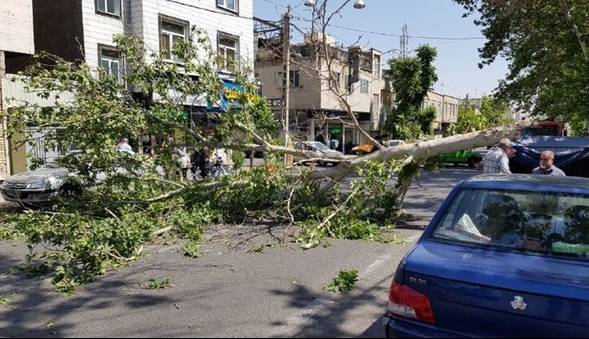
[[410, 36], [397, 35]]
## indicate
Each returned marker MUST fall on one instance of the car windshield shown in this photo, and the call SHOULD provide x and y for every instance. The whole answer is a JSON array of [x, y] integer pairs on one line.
[[547, 223]]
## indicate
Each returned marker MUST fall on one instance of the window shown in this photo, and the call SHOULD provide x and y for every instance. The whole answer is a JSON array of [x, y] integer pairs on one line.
[[111, 7], [228, 49], [170, 34], [545, 223], [295, 78], [363, 86], [336, 80], [375, 103], [349, 85], [108, 59], [376, 67], [228, 4]]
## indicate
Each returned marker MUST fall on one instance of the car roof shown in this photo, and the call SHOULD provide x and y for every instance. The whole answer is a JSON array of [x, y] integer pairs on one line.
[[528, 182]]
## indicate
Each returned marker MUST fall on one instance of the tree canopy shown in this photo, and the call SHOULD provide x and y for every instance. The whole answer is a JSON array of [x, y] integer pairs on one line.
[[412, 78], [545, 43]]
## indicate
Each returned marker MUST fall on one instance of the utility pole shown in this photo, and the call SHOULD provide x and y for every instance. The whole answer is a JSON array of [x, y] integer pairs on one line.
[[286, 78], [404, 41]]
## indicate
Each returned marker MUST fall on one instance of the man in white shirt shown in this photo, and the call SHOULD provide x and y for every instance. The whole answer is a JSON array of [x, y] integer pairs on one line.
[[497, 160], [124, 146]]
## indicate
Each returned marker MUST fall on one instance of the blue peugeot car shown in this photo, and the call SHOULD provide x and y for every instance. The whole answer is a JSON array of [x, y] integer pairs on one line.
[[505, 256]]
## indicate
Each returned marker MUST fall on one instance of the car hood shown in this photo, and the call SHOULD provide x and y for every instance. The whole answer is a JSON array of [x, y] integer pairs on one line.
[[41, 174]]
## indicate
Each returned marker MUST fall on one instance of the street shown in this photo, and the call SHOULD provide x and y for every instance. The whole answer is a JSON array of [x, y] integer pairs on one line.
[[228, 292]]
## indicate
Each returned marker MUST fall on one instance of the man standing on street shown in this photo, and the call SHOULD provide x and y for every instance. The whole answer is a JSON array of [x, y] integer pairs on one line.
[[547, 165], [497, 160]]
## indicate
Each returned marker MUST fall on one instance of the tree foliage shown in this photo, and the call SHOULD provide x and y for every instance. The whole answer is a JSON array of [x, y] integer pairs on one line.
[[545, 43], [412, 77], [123, 201], [493, 112], [468, 120]]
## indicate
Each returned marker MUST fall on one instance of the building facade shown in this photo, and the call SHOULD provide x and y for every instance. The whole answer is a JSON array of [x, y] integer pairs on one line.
[[446, 110], [83, 31], [315, 111], [16, 44]]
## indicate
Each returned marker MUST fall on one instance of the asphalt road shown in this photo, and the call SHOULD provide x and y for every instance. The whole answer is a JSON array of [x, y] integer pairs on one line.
[[228, 292]]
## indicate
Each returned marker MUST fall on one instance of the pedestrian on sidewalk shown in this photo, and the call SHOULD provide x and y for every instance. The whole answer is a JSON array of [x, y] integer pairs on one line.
[[497, 160]]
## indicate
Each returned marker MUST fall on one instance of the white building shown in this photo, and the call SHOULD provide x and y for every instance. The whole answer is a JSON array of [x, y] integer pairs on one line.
[[83, 29], [16, 43]]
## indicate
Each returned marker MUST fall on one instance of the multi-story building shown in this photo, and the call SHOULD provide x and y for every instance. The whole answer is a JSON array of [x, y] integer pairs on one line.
[[446, 110], [84, 29], [16, 44], [315, 112]]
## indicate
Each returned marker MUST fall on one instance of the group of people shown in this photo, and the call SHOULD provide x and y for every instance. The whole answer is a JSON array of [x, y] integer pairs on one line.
[[497, 161], [199, 161]]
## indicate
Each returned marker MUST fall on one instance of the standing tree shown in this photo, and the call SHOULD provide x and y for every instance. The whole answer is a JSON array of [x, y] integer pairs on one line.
[[412, 78], [545, 43], [495, 111]]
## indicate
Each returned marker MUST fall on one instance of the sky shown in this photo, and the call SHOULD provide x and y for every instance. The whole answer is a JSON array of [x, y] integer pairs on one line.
[[457, 60]]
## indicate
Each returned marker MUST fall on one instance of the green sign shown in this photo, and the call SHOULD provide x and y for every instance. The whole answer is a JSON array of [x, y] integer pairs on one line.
[[336, 130]]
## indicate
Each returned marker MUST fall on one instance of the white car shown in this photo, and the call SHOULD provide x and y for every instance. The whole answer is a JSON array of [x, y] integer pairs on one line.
[[320, 147]]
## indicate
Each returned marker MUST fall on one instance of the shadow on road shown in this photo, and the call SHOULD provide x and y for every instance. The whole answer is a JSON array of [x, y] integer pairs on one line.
[[325, 315]]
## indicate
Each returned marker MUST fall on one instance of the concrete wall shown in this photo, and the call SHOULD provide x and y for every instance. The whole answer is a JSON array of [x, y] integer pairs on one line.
[[16, 26]]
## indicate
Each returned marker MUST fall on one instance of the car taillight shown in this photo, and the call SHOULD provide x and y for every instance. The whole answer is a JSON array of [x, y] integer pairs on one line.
[[408, 303]]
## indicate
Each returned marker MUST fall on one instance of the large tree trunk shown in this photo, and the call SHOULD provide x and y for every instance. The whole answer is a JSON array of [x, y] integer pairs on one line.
[[423, 149]]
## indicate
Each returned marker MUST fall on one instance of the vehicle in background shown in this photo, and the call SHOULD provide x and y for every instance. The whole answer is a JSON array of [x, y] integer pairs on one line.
[[470, 158], [369, 147], [317, 146], [552, 128], [505, 256]]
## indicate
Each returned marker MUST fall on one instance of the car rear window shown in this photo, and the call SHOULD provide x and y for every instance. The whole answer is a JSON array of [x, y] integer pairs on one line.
[[547, 223]]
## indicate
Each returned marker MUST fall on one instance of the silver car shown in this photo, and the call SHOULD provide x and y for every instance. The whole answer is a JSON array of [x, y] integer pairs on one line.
[[36, 187]]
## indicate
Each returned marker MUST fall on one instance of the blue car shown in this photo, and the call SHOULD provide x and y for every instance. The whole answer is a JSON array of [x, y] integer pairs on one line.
[[505, 256]]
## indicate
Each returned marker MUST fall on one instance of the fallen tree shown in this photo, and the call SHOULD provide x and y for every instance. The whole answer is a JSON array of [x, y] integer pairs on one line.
[[109, 221]]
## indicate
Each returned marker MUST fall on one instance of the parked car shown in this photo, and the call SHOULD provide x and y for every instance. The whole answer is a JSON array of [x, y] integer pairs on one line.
[[369, 147], [393, 143], [471, 158], [36, 187], [505, 256], [320, 147]]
